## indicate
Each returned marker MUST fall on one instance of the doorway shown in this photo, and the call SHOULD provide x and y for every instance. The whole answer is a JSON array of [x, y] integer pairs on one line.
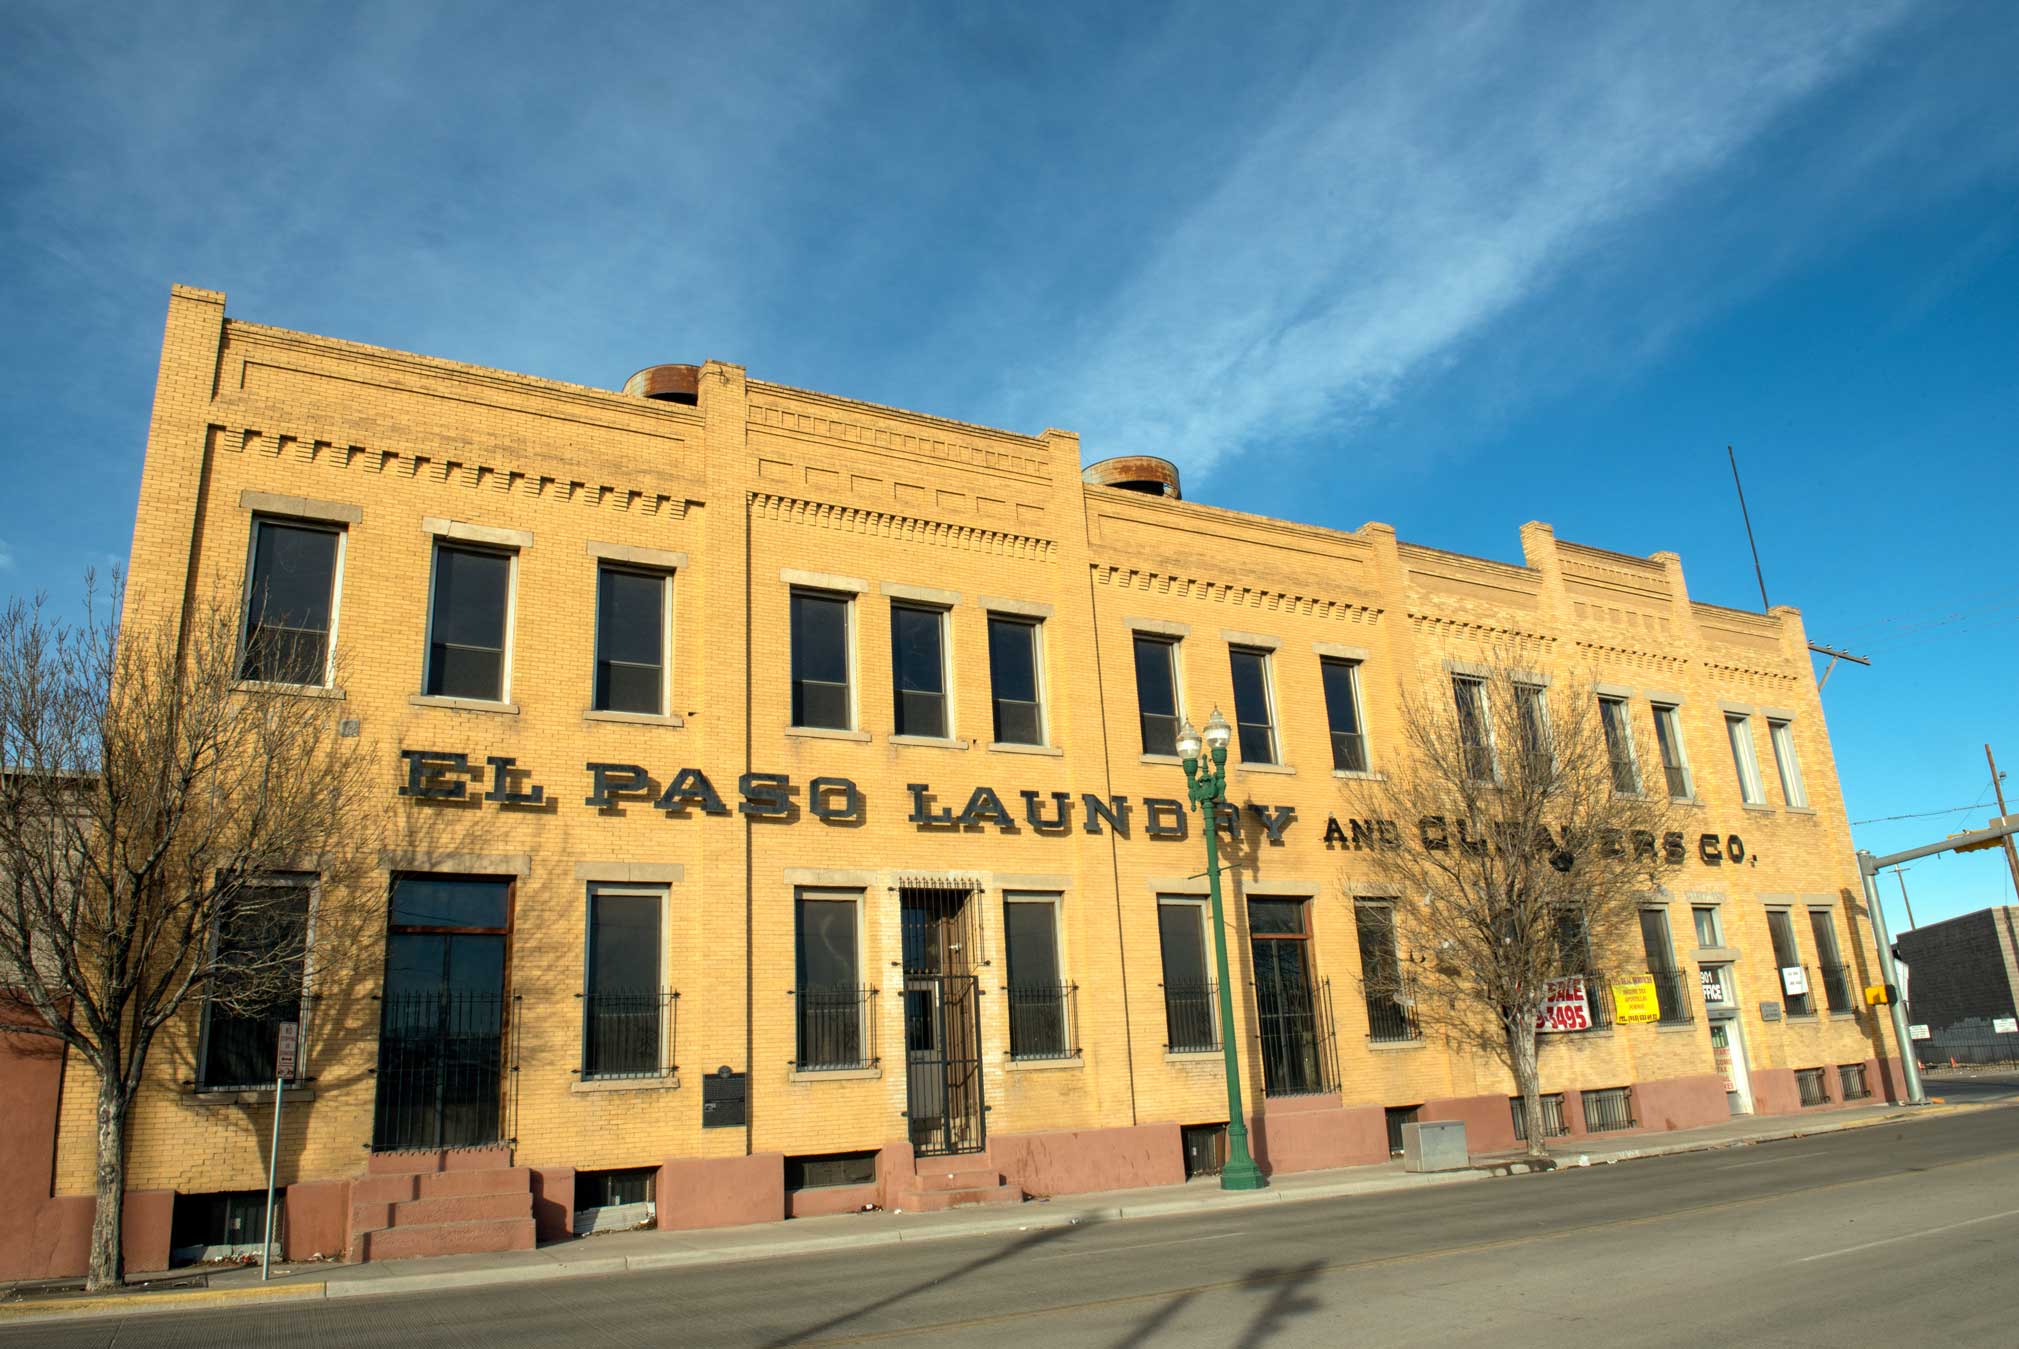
[[942, 1021], [1728, 1041], [1286, 1001], [442, 1014]]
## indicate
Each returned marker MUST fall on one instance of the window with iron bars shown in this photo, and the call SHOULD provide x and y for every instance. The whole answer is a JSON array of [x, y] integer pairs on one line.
[[1553, 1123], [1851, 1077], [1809, 1082], [1608, 1109]]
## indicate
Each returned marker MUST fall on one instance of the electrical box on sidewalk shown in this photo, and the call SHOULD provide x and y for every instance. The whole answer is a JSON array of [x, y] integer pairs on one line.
[[1435, 1145]]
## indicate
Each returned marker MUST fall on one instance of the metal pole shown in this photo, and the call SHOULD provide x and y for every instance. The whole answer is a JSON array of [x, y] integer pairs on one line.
[[1240, 1171], [2011, 853], [272, 1160], [1909, 1065], [1901, 877]]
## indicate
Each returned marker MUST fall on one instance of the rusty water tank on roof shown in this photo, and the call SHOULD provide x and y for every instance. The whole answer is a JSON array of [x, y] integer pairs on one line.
[[667, 384], [1136, 473]]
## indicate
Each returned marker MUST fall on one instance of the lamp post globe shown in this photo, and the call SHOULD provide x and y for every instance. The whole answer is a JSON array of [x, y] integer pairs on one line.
[[1206, 784]]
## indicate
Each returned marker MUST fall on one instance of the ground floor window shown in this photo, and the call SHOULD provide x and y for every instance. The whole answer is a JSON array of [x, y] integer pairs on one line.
[[828, 1169], [1399, 1115], [1553, 1123], [224, 1225], [1812, 1084], [1607, 1109], [615, 1201], [1205, 1149], [1851, 1076]]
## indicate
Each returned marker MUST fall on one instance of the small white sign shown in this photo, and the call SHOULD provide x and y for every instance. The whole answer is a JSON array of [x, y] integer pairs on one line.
[[1712, 980], [1919, 1033], [287, 1050], [2005, 1025], [1794, 980]]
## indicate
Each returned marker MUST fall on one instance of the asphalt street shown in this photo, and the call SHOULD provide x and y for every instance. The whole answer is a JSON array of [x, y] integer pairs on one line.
[[1900, 1233]]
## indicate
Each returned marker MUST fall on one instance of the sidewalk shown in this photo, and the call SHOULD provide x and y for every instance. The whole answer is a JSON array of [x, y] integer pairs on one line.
[[622, 1252]]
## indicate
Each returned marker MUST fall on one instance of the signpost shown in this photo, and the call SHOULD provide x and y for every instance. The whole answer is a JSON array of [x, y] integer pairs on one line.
[[283, 1068]]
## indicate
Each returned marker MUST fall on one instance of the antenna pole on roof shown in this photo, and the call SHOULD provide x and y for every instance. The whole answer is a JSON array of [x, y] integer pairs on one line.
[[1747, 517]]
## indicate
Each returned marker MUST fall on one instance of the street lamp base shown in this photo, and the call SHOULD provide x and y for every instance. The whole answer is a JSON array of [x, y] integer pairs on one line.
[[1242, 1174]]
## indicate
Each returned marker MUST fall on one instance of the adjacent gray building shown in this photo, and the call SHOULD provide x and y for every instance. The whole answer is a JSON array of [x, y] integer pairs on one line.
[[1963, 969]]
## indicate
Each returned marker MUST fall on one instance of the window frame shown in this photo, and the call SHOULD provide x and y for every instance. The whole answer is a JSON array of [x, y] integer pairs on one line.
[[1172, 646], [1745, 758], [942, 617], [437, 543], [260, 520], [311, 883], [1263, 656], [1530, 694], [1622, 757], [864, 1015], [1035, 626], [594, 891], [1673, 740], [665, 577], [847, 601], [1055, 902], [1484, 711], [1717, 926], [1808, 998], [1201, 910], [1787, 766], [1355, 706]]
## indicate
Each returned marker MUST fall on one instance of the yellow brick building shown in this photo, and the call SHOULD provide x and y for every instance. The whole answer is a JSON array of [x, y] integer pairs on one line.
[[877, 700]]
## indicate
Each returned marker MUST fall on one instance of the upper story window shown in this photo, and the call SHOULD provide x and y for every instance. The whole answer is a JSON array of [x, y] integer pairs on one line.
[[632, 608], [1709, 931], [470, 622], [1533, 708], [1668, 739], [1157, 692], [1254, 718], [1612, 715], [1739, 729], [1475, 730], [1783, 735], [821, 698], [1013, 680], [1342, 713], [291, 601], [918, 670]]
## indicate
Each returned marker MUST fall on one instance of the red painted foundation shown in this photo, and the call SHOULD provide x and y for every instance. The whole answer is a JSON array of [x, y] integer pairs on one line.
[[1681, 1102], [1488, 1121], [1774, 1092], [554, 1202], [318, 1219], [721, 1191], [1312, 1133], [828, 1200], [1079, 1161]]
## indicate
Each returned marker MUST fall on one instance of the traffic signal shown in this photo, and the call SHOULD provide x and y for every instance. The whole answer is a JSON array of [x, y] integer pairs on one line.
[[1881, 995]]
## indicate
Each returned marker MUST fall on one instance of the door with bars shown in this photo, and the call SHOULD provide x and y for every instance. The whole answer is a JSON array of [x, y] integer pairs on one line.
[[942, 1019]]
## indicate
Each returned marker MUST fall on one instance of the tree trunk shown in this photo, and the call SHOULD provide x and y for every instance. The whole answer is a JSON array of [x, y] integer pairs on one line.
[[108, 1258], [1527, 1080]]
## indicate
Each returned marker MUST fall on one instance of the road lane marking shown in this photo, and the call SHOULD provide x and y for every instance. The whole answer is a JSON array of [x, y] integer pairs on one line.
[[1909, 1236], [1138, 1246], [1736, 1166]]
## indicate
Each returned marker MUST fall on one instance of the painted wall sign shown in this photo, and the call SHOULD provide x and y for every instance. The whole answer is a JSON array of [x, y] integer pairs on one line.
[[435, 775]]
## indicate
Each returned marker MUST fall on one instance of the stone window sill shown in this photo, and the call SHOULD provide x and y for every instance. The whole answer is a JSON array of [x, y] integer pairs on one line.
[[1171, 759], [1286, 770], [1195, 1056], [596, 1086], [929, 741], [1801, 810], [462, 704], [246, 1095], [1682, 1028], [1007, 747], [1042, 1065], [1758, 808], [834, 1074], [826, 733], [330, 691], [1359, 775], [1397, 1046], [635, 718]]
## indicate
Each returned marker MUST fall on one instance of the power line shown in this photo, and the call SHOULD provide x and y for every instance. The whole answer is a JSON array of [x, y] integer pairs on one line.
[[1922, 815]]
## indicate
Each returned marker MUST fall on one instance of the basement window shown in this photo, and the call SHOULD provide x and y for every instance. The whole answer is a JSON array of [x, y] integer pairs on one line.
[[823, 1170], [226, 1225], [1205, 1149], [615, 1201]]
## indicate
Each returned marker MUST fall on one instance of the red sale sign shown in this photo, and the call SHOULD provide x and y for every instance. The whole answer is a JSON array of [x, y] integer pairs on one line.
[[1566, 1008]]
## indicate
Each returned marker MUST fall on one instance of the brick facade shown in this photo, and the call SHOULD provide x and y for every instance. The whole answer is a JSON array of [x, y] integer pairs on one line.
[[755, 487], [1963, 968]]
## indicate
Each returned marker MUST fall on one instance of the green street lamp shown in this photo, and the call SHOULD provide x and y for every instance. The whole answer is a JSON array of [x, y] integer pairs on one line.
[[1207, 787]]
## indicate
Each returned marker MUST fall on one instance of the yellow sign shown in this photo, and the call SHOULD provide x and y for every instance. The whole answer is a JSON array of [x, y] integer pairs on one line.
[[1634, 1002]]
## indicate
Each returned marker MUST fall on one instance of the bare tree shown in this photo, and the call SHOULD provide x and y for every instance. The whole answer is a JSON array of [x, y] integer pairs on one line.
[[1518, 839], [152, 806]]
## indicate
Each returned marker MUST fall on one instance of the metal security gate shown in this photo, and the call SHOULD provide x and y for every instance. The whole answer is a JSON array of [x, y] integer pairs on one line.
[[942, 1019]]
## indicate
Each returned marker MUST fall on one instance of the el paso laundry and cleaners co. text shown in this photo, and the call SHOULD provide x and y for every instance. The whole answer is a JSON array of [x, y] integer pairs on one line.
[[431, 775]]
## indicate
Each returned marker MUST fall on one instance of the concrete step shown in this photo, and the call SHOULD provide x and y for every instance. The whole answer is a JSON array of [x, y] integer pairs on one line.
[[449, 1184], [955, 1173], [461, 1208], [426, 1161], [385, 1189], [938, 1201], [464, 1238]]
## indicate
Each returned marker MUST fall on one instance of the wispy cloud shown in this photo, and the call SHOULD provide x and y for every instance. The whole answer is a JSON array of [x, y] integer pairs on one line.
[[1405, 197], [6, 556]]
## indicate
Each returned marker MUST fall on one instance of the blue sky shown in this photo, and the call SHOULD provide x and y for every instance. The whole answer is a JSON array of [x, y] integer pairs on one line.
[[1450, 267]]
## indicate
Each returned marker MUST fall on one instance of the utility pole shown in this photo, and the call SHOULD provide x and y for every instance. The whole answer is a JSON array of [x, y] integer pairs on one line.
[[1901, 877], [2011, 853]]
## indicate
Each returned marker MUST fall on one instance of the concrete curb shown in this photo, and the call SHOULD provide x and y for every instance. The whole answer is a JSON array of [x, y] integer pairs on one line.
[[1032, 1217]]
